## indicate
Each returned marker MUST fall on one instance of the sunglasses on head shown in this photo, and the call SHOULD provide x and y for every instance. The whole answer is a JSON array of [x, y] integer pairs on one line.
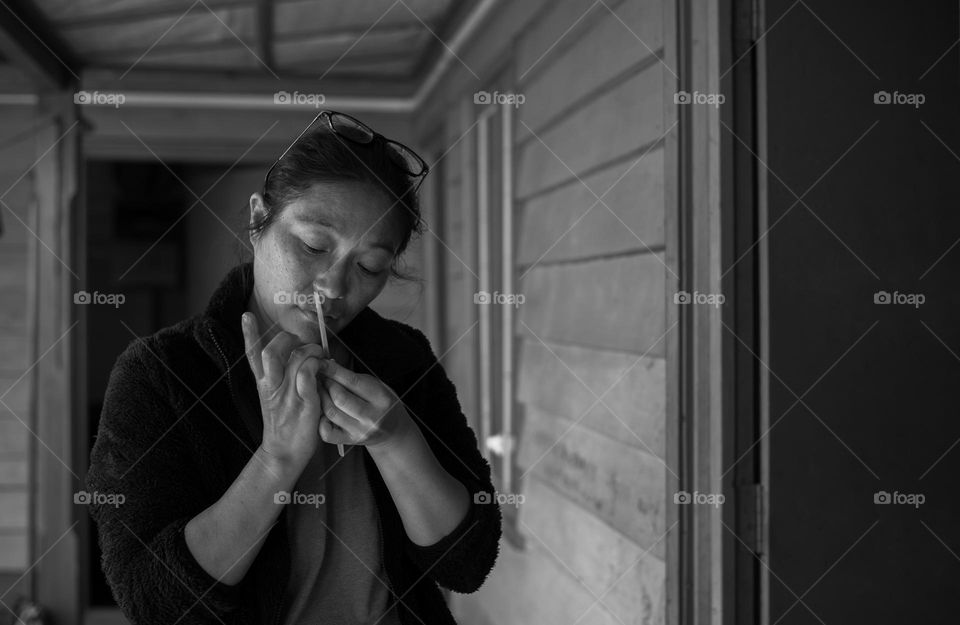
[[354, 130]]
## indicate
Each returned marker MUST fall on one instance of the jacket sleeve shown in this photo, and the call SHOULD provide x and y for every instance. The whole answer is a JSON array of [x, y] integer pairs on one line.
[[462, 559], [141, 489]]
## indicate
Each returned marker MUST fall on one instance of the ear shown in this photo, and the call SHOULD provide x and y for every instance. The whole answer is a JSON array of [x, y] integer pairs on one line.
[[257, 210]]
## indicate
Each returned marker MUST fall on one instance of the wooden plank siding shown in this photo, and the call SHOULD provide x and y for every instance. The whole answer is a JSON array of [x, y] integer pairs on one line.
[[589, 211]]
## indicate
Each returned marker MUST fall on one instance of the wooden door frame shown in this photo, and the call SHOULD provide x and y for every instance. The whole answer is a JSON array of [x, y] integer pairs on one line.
[[710, 195]]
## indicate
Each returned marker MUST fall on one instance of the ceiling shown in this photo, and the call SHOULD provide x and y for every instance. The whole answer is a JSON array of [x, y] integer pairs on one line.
[[368, 39]]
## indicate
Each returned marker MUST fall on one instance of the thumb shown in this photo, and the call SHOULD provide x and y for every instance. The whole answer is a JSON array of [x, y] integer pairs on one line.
[[306, 382]]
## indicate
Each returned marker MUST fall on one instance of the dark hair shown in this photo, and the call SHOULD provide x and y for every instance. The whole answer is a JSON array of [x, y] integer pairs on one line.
[[321, 156]]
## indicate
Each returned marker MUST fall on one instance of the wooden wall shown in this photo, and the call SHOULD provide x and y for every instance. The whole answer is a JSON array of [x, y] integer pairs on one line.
[[589, 249]]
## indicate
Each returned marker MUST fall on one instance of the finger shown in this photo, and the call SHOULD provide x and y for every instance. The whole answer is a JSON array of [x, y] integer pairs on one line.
[[274, 358], [298, 356], [337, 416], [344, 400], [361, 385], [251, 343], [306, 379], [330, 433]]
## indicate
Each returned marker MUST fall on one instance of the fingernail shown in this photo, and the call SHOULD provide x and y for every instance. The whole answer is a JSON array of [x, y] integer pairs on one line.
[[243, 318]]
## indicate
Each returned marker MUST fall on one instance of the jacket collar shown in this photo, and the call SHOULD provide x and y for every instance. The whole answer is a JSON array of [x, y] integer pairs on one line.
[[379, 346]]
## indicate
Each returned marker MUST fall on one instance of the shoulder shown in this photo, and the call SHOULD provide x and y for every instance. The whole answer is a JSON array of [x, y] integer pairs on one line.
[[394, 337], [414, 336], [147, 362]]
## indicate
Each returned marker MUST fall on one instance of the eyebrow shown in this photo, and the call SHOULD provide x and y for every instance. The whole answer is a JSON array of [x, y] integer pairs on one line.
[[321, 221]]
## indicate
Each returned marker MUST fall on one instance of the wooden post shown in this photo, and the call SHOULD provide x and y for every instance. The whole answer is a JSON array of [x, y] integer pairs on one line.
[[55, 547]]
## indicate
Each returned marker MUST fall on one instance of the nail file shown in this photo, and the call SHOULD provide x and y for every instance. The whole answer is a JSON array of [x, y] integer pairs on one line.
[[318, 300]]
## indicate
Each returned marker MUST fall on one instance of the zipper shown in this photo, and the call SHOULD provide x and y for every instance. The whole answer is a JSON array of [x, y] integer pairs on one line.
[[276, 614], [226, 363]]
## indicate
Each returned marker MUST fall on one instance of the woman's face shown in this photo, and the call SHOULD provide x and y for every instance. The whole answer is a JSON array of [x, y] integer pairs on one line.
[[337, 239]]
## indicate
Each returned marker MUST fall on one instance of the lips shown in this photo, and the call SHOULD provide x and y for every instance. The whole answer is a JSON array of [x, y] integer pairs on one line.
[[311, 312]]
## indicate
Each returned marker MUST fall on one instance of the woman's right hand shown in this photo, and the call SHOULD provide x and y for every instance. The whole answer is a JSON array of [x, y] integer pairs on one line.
[[286, 375]]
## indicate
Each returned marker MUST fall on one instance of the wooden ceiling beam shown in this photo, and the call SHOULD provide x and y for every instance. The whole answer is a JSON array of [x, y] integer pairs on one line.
[[251, 82], [318, 64], [139, 14], [232, 42]]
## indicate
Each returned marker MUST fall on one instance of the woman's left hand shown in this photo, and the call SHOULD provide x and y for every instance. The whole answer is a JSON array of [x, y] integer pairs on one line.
[[366, 411]]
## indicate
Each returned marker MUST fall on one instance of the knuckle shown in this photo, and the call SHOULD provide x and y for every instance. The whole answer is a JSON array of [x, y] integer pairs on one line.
[[382, 399]]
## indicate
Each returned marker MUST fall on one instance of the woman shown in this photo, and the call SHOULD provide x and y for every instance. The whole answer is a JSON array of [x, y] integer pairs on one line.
[[220, 432]]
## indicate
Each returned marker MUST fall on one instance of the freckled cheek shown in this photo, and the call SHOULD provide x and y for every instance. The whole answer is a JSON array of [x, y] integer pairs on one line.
[[291, 265]]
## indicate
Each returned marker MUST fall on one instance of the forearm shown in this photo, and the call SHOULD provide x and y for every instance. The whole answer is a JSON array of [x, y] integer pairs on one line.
[[226, 537], [430, 501]]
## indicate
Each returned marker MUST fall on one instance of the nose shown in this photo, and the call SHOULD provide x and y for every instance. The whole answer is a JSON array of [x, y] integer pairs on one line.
[[332, 283]]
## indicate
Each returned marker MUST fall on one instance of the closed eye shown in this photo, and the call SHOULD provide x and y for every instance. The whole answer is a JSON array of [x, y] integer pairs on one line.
[[312, 250], [369, 272]]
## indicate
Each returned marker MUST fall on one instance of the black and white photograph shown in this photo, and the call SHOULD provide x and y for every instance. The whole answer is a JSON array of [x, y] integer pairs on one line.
[[479, 312]]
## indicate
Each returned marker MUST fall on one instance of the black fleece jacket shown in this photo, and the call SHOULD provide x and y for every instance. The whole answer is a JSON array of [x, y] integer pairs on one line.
[[181, 418]]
